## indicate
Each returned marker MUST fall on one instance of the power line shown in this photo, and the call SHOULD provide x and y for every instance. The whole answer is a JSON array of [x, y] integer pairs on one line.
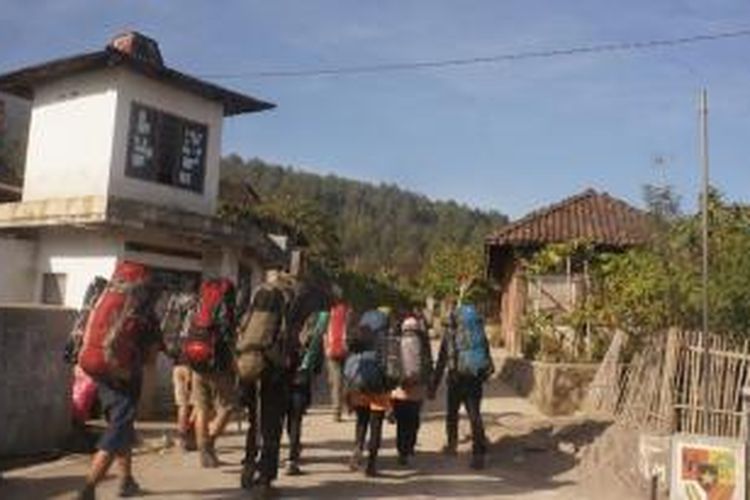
[[517, 56]]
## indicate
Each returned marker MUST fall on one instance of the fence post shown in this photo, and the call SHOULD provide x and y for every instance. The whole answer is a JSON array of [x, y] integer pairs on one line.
[[745, 433], [666, 403]]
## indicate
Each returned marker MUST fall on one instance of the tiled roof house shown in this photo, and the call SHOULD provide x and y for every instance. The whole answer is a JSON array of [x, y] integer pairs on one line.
[[592, 217]]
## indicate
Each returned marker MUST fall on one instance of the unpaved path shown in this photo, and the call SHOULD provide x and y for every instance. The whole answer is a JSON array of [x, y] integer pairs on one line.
[[527, 461]]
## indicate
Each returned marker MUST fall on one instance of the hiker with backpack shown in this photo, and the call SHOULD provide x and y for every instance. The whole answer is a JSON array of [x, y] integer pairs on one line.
[[464, 351], [416, 376], [300, 386], [175, 327], [261, 368], [336, 350], [207, 349], [368, 394], [121, 334]]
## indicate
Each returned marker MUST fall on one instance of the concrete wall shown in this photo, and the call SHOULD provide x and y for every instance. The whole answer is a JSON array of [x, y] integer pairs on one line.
[[35, 388], [80, 255], [136, 88], [70, 137], [555, 388], [18, 274]]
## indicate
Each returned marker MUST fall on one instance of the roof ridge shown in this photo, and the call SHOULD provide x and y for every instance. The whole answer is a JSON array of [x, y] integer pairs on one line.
[[586, 214], [552, 207]]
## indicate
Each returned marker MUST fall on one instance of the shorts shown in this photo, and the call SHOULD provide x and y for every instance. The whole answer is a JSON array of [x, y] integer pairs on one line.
[[214, 390], [120, 405], [182, 381]]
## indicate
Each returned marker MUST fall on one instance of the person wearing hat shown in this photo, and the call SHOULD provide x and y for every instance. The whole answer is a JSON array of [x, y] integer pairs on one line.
[[407, 398]]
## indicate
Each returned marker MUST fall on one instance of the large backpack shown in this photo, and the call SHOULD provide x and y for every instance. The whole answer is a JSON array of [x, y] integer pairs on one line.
[[259, 335], [363, 372], [413, 357], [472, 348], [115, 325], [336, 335], [206, 348], [365, 367], [312, 359], [176, 321], [75, 338]]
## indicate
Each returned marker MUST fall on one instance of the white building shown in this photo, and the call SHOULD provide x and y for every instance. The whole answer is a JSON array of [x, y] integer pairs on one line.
[[122, 162]]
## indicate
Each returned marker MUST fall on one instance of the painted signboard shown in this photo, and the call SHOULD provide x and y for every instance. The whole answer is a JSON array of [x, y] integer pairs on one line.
[[707, 468]]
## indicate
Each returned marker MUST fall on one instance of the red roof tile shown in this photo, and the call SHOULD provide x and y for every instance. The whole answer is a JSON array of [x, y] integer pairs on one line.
[[594, 217]]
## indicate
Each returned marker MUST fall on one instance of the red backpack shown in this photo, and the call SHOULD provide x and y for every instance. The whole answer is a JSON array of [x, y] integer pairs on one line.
[[336, 336], [207, 345], [114, 326]]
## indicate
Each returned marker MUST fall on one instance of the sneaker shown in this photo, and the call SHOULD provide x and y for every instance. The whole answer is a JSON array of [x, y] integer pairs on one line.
[[208, 458], [129, 488], [87, 493], [355, 462], [403, 460], [477, 462], [450, 450], [292, 468]]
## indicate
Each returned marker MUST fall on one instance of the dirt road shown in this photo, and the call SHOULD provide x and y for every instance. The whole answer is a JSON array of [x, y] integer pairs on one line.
[[527, 461]]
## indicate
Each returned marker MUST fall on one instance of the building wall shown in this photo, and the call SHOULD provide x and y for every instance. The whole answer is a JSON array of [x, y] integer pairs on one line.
[[136, 88], [79, 255], [69, 151], [18, 258], [35, 389]]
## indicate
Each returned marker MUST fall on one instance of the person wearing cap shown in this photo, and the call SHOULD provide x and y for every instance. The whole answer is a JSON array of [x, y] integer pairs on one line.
[[407, 398]]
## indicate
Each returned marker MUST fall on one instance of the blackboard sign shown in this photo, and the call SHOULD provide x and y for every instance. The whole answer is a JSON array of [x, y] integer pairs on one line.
[[166, 148]]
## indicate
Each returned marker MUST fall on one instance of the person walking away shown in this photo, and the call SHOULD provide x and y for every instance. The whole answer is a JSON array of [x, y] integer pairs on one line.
[[300, 392], [336, 350], [464, 351], [175, 326], [260, 354], [208, 351], [121, 333], [416, 376], [367, 394]]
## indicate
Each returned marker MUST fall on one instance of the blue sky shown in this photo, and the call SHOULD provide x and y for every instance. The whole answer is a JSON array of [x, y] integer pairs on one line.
[[508, 136]]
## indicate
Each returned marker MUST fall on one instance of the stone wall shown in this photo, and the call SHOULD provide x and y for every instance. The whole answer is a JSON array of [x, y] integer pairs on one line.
[[555, 388], [35, 382]]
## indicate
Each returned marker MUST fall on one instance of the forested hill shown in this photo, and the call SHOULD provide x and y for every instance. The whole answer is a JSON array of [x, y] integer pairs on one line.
[[379, 227]]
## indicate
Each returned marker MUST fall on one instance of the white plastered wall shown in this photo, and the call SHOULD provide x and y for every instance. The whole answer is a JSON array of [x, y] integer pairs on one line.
[[132, 87], [17, 270], [72, 124], [80, 255]]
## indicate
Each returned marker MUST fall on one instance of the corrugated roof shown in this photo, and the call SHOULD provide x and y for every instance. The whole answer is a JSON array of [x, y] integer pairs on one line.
[[590, 216], [21, 83]]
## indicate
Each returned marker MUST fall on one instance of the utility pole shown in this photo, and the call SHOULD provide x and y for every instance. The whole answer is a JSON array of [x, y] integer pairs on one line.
[[703, 111]]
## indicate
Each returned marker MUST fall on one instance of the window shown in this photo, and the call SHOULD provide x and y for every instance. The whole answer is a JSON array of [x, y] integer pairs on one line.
[[53, 288], [165, 148]]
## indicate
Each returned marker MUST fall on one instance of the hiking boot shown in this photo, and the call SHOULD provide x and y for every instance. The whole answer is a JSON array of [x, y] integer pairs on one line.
[[477, 462], [208, 458], [186, 441], [355, 462], [128, 488], [263, 490], [292, 468], [87, 493], [450, 450], [247, 477], [371, 470]]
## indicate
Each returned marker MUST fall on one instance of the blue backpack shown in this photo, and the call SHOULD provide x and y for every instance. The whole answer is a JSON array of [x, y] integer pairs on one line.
[[363, 372], [472, 348]]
